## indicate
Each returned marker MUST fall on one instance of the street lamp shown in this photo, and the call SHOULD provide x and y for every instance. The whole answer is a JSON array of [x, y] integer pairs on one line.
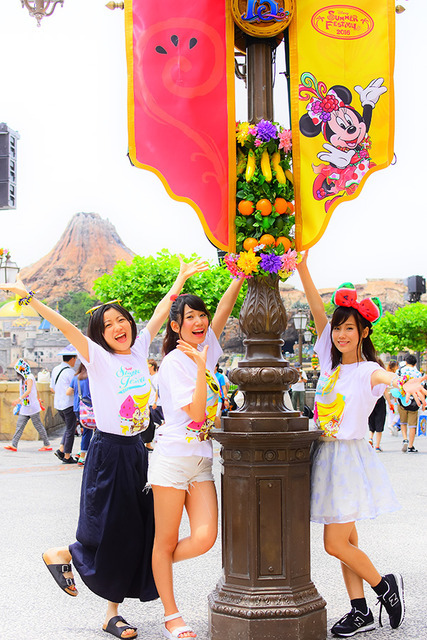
[[8, 269], [300, 323], [39, 9]]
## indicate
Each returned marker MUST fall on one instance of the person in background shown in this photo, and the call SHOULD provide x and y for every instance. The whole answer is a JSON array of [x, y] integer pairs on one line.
[[223, 404], [81, 380], [376, 420], [60, 381], [27, 406], [408, 413], [156, 411], [393, 418], [298, 390]]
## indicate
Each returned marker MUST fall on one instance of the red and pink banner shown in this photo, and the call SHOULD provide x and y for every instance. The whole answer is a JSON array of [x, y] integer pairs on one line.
[[181, 116]]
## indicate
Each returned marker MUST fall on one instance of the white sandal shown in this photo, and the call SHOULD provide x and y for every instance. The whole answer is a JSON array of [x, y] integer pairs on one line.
[[173, 635]]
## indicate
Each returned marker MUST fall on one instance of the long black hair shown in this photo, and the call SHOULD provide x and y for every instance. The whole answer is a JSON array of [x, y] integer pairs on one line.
[[341, 315], [96, 328], [176, 314]]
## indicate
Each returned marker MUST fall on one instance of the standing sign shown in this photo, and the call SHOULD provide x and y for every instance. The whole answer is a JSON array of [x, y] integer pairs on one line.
[[181, 120], [342, 104]]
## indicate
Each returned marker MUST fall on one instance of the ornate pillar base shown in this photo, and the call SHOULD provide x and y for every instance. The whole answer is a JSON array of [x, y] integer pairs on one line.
[[265, 590]]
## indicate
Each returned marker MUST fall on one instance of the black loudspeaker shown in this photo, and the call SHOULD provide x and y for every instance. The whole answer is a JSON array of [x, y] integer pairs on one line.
[[8, 166], [416, 284]]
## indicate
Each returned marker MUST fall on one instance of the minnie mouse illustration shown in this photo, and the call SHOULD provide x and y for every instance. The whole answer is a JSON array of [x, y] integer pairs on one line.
[[345, 130]]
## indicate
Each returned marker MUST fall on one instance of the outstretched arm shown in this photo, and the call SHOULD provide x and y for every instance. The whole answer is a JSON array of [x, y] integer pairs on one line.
[[412, 387], [161, 312], [73, 335], [313, 297], [225, 306]]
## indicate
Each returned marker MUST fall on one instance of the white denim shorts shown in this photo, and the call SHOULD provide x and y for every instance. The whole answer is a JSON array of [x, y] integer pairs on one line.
[[179, 472]]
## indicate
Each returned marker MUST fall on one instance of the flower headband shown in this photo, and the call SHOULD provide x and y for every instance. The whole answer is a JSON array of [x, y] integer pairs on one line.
[[23, 368], [90, 311], [346, 296]]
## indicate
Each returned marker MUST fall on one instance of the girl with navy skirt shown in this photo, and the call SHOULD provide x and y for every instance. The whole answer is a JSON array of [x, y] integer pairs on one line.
[[115, 530], [349, 482]]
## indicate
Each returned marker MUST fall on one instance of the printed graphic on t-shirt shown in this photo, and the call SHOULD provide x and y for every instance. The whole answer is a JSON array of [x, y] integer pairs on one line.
[[329, 405], [201, 430], [134, 411], [25, 401]]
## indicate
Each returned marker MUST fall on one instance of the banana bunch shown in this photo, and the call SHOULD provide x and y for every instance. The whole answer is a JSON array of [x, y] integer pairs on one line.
[[267, 165]]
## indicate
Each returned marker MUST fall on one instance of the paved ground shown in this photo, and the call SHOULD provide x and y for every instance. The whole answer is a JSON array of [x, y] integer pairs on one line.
[[39, 506]]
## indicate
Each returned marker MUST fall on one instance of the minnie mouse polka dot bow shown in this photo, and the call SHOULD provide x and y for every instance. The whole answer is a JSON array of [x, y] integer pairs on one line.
[[369, 308]]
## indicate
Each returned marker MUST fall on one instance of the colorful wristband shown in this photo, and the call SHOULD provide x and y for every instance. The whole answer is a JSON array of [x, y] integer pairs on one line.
[[26, 299]]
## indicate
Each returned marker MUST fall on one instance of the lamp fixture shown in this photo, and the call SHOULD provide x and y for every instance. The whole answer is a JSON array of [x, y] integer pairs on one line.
[[8, 269], [39, 9], [115, 5]]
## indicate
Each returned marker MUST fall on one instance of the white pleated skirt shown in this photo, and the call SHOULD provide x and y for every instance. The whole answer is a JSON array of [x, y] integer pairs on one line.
[[349, 483]]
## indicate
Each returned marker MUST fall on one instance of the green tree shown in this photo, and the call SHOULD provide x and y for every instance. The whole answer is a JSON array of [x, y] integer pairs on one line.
[[74, 307], [141, 284], [406, 329]]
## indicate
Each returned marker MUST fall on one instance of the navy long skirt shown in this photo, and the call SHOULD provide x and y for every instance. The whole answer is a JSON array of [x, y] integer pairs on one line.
[[115, 531]]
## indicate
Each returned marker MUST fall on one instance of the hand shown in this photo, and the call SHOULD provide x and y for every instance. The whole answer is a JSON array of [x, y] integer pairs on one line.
[[199, 357], [414, 388], [154, 406], [17, 287], [16, 402], [303, 261], [372, 93], [337, 157], [188, 269]]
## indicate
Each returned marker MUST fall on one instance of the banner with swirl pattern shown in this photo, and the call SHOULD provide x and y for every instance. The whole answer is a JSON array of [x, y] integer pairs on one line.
[[181, 105], [342, 104]]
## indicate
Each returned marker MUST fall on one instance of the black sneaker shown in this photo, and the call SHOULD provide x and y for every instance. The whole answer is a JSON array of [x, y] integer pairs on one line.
[[69, 460], [412, 450], [392, 600], [352, 623], [59, 454]]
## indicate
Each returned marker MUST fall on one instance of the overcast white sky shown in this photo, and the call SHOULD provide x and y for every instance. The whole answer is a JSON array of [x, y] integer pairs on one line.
[[63, 87]]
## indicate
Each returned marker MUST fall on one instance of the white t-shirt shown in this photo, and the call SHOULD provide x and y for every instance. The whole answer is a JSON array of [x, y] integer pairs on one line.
[[120, 387], [300, 386], [177, 381], [60, 385], [30, 405], [154, 385], [344, 398]]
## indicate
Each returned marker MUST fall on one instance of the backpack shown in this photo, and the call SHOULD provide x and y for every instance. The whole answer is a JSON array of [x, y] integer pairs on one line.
[[86, 415]]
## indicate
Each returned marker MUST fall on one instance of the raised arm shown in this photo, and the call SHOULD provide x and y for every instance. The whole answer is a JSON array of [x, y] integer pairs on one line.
[[161, 312], [73, 335], [225, 306], [313, 297]]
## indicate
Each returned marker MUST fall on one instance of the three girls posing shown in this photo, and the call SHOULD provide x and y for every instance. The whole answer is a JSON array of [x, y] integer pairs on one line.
[[349, 483]]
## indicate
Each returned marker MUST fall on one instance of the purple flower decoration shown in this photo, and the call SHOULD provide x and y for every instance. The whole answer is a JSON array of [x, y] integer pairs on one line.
[[266, 130], [270, 262]]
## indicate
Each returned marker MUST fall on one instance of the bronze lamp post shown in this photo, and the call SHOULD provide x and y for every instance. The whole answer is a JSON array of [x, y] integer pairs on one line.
[[265, 590]]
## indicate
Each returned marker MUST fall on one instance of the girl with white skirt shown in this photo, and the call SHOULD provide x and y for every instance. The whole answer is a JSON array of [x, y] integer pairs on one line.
[[349, 482]]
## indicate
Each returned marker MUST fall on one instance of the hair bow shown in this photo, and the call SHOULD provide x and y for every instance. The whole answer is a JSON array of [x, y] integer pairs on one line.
[[346, 296]]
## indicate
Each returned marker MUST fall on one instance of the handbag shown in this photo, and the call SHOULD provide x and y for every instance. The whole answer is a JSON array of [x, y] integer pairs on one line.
[[86, 414]]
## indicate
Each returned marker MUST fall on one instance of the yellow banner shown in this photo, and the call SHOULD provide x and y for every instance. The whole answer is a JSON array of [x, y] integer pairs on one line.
[[342, 104]]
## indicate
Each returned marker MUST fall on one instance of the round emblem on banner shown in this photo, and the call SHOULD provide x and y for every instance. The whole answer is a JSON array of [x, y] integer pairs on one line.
[[262, 18]]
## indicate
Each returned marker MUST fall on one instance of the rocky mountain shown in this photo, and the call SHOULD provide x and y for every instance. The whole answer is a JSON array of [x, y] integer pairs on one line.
[[89, 247]]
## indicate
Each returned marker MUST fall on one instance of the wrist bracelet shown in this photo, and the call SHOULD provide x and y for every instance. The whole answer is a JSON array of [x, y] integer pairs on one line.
[[26, 299], [400, 381]]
